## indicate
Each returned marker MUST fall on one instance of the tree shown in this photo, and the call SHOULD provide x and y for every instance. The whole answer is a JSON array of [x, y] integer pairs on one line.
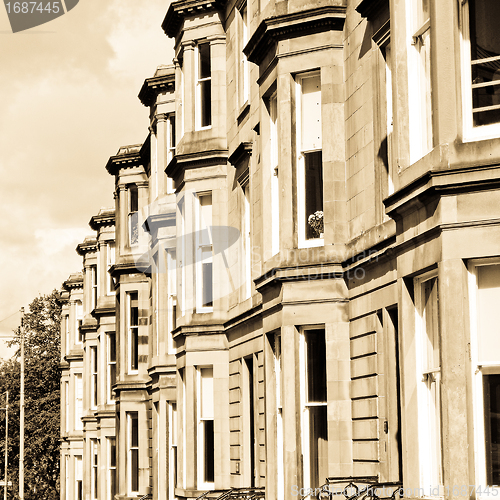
[[41, 400]]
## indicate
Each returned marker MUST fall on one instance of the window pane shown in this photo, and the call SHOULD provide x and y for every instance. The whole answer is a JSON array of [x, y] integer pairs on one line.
[[209, 450], [492, 427], [318, 447], [314, 189], [311, 113], [206, 103], [134, 457], [316, 366], [488, 300], [207, 392], [485, 43], [134, 430], [112, 347], [112, 452], [204, 51], [207, 299], [134, 198]]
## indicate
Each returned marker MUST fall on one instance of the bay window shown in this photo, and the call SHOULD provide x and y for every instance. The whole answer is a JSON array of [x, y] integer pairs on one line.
[[110, 262], [206, 445], [203, 86], [274, 173], [244, 66], [310, 159], [481, 68], [93, 284]]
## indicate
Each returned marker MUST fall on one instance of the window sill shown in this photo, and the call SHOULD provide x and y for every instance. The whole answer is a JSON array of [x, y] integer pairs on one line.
[[243, 112], [316, 242]]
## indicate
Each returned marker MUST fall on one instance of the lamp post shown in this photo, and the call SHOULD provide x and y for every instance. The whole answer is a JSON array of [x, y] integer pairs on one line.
[[6, 444], [21, 416]]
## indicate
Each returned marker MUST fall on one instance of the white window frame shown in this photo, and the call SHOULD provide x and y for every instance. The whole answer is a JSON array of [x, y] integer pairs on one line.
[[202, 484], [421, 136], [172, 299], [111, 468], [94, 380], [426, 375], [66, 406], [173, 450], [133, 216], [67, 477], [93, 287], [78, 475], [131, 448], [306, 405], [244, 65], [130, 333], [301, 194], [78, 322], [110, 261], [278, 353], [171, 143], [78, 401], [94, 469], [246, 240], [274, 173], [66, 332], [477, 372], [198, 93], [109, 363], [470, 132], [201, 247]]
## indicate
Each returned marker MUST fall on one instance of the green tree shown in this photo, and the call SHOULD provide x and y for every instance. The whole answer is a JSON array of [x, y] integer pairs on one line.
[[41, 401]]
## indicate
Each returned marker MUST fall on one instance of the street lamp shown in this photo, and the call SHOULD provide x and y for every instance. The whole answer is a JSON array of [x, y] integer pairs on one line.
[[5, 478]]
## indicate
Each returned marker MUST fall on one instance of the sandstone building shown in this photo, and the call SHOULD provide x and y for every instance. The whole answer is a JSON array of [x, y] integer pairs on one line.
[[307, 261]]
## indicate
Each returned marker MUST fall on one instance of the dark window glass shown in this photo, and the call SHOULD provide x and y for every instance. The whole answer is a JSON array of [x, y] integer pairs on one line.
[[492, 427], [316, 366], [209, 451], [313, 189], [207, 285], [206, 103], [485, 58], [204, 51]]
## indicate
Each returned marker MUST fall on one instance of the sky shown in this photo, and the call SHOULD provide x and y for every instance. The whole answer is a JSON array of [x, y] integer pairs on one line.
[[68, 101]]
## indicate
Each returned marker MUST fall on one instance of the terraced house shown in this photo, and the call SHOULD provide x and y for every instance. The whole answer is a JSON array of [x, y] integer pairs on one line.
[[307, 275]]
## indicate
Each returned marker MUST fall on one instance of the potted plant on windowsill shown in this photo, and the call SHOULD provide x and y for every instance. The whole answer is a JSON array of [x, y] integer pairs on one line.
[[315, 220]]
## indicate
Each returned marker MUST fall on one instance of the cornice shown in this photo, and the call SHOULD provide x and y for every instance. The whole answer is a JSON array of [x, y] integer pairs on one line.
[[102, 311], [196, 160], [127, 157], [153, 222], [127, 268], [105, 217], [89, 245], [153, 86], [183, 8], [75, 280], [277, 28], [369, 7]]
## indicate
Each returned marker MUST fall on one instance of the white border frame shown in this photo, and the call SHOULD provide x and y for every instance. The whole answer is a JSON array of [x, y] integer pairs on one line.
[[425, 460], [200, 438], [477, 372], [199, 227], [197, 107], [302, 241], [470, 132], [304, 408], [128, 311], [129, 454]]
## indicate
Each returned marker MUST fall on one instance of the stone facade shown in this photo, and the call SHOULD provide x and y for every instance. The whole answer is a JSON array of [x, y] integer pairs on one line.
[[307, 258]]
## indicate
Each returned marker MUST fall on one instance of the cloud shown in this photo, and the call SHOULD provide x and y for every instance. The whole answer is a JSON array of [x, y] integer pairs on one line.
[[68, 100]]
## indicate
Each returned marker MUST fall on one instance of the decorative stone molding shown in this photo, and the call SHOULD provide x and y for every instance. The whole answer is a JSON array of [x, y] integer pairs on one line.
[[153, 86], [367, 8], [183, 8], [275, 29]]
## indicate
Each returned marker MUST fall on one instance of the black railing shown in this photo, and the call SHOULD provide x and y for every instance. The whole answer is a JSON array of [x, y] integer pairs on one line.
[[253, 493], [360, 488]]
